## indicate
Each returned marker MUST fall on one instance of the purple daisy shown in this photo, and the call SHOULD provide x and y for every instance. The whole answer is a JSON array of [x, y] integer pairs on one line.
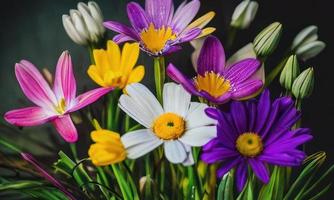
[[216, 81], [159, 29], [256, 133]]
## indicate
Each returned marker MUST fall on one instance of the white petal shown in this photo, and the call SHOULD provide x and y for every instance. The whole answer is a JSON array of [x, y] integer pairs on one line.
[[140, 104], [79, 24], [176, 99], [72, 32], [96, 13], [91, 25], [140, 142], [190, 159], [196, 116], [175, 151], [199, 136]]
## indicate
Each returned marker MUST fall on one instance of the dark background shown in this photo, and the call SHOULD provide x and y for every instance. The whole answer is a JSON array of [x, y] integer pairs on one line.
[[33, 30]]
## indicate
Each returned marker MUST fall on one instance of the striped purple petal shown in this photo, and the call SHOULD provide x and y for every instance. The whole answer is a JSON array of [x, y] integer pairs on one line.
[[242, 70], [246, 88], [159, 11], [137, 16], [185, 15], [121, 28]]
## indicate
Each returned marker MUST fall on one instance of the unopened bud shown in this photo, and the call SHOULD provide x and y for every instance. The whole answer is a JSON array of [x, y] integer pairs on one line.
[[289, 72], [244, 14], [267, 40], [303, 85]]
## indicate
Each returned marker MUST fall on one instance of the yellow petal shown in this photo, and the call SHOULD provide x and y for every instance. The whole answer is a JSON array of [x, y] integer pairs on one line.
[[202, 21], [206, 32], [94, 74], [137, 74], [101, 60], [129, 56], [114, 54], [102, 154], [104, 135]]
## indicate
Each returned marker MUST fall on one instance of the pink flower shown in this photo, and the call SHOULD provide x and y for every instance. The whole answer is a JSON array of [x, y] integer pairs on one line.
[[52, 105]]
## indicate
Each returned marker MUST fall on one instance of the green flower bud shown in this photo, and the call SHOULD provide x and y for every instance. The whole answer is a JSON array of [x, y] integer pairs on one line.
[[244, 14], [267, 40], [289, 72], [303, 85], [306, 44]]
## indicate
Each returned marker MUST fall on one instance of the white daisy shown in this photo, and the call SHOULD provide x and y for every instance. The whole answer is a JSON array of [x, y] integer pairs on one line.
[[179, 124]]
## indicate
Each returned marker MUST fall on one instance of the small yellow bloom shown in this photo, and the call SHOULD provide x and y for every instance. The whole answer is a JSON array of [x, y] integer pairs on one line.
[[115, 68], [108, 148]]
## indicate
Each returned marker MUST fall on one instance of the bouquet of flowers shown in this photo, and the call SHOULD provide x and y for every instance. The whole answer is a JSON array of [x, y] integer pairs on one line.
[[218, 134]]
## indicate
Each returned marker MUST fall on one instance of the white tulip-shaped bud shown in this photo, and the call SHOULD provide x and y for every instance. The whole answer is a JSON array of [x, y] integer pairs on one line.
[[244, 14], [85, 25], [306, 44]]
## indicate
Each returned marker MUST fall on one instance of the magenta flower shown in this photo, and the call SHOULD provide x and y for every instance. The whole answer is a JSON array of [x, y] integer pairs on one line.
[[159, 29], [216, 81], [254, 134], [52, 105]]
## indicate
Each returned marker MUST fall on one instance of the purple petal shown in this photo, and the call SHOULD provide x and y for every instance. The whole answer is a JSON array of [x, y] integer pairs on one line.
[[178, 77], [274, 111], [242, 70], [241, 176], [28, 157], [66, 128], [185, 15], [211, 144], [137, 16], [211, 57], [260, 170], [263, 110], [34, 85], [291, 143], [189, 35], [283, 159], [252, 114], [120, 38], [30, 116], [159, 11], [227, 166], [246, 89], [121, 28], [213, 113], [239, 115], [88, 98], [172, 49], [218, 154], [64, 83]]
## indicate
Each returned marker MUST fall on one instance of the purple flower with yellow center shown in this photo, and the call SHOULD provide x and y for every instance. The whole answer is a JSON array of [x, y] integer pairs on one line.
[[216, 81], [159, 29], [51, 105], [256, 133]]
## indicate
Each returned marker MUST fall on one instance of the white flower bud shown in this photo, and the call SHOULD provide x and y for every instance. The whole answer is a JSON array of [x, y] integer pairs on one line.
[[85, 25], [244, 14]]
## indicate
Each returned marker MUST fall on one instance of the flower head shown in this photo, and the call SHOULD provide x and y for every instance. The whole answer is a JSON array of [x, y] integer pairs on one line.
[[159, 29], [216, 81], [84, 25], [179, 124], [115, 68], [52, 105], [108, 148], [256, 134]]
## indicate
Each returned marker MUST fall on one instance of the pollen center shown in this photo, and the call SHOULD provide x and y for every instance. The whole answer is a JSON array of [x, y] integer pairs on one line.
[[154, 39], [169, 126], [61, 107], [212, 83], [249, 144]]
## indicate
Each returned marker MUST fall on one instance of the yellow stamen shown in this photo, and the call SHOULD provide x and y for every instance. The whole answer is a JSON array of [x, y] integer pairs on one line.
[[169, 126], [212, 83], [154, 39], [249, 144], [60, 108]]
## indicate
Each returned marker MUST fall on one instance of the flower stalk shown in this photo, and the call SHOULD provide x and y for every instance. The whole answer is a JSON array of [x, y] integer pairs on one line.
[[159, 76]]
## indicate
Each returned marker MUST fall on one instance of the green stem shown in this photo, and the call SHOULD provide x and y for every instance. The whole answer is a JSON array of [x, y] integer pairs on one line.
[[127, 123], [272, 75], [74, 151], [110, 111], [91, 55], [232, 32], [159, 76], [126, 191]]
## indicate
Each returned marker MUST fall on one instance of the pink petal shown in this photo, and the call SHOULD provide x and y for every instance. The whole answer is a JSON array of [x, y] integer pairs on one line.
[[64, 84], [66, 128], [88, 98], [30, 116], [33, 85]]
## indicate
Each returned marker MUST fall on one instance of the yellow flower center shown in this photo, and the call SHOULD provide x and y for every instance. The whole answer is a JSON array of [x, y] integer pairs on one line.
[[154, 39], [61, 107], [249, 144], [169, 126], [212, 83]]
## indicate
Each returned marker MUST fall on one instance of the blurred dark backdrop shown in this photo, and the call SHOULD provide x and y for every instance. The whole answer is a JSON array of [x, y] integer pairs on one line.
[[33, 30]]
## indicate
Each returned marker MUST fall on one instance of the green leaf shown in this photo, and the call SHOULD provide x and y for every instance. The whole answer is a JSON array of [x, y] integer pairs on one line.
[[225, 188], [18, 185]]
